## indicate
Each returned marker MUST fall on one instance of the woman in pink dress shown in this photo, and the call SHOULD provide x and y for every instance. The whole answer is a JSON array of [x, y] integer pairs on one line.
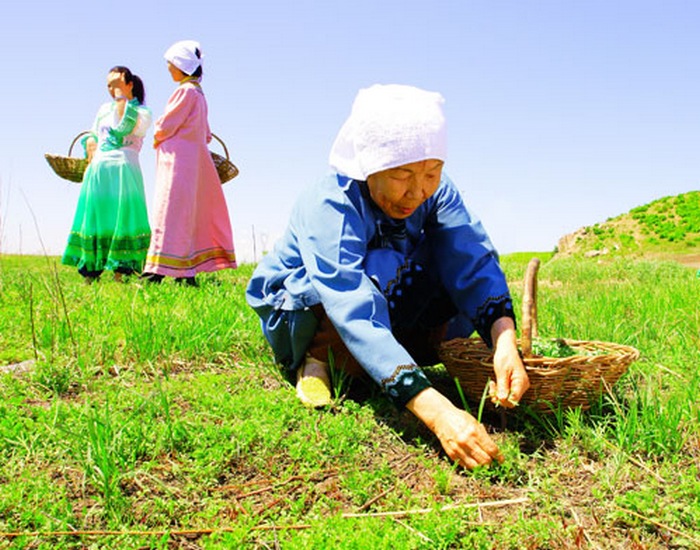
[[191, 230]]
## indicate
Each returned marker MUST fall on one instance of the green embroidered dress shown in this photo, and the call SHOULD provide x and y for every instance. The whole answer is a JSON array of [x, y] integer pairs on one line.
[[110, 230]]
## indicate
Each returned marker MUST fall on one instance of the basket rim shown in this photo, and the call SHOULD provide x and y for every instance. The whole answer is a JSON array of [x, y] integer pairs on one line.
[[484, 356]]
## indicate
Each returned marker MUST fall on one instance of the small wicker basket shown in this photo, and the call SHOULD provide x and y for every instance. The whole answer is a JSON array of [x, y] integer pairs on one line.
[[226, 169], [568, 382], [69, 168]]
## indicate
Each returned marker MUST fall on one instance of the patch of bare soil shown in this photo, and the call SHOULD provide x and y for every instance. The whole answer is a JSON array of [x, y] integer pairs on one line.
[[690, 260]]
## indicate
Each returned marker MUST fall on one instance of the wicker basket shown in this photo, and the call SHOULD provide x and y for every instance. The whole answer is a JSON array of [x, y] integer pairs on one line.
[[69, 168], [226, 169], [568, 382]]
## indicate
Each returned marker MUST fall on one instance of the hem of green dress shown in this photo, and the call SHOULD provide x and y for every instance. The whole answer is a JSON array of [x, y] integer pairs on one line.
[[95, 265]]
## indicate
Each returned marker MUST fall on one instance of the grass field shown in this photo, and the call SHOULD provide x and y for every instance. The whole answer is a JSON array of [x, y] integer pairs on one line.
[[153, 417]]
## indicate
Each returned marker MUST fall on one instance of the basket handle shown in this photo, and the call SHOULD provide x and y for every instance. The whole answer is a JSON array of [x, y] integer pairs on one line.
[[217, 138], [75, 140], [529, 330]]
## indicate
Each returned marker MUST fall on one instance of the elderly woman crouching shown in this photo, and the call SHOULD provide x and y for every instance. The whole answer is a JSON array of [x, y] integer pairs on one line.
[[380, 262]]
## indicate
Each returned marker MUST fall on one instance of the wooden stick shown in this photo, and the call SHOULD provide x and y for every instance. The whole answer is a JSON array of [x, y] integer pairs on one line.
[[402, 513], [529, 307], [659, 524], [375, 499], [175, 532]]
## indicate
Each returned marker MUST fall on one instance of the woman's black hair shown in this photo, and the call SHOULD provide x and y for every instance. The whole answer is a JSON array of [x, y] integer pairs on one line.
[[198, 72], [138, 89]]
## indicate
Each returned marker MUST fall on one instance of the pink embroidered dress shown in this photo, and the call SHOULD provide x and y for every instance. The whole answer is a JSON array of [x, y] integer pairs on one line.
[[191, 230]]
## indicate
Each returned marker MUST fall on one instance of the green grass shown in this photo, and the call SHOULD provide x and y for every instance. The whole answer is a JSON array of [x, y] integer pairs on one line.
[[154, 417]]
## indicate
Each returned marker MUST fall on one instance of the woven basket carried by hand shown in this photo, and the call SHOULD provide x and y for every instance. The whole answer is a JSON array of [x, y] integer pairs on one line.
[[226, 169], [69, 168], [555, 382]]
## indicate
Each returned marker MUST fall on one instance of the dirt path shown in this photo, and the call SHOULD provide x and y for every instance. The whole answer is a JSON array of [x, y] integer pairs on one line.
[[691, 260], [688, 260]]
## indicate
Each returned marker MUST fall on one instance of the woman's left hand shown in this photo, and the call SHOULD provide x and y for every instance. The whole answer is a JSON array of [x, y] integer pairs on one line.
[[511, 378]]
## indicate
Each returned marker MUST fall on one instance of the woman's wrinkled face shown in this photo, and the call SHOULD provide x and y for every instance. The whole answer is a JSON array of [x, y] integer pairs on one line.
[[399, 191], [117, 86]]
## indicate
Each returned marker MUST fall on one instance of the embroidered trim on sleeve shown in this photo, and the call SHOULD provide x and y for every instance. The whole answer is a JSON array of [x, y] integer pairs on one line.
[[494, 308], [404, 384]]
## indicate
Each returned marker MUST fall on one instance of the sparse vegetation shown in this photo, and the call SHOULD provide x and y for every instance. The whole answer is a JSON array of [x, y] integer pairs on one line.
[[667, 225]]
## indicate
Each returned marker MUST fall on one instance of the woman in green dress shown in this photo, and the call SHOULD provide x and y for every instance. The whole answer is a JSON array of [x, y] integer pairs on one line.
[[110, 230]]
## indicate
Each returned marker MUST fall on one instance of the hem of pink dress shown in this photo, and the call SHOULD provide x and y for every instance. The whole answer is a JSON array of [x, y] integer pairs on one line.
[[208, 266]]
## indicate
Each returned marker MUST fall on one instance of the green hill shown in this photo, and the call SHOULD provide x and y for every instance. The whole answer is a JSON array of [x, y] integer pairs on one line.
[[667, 227]]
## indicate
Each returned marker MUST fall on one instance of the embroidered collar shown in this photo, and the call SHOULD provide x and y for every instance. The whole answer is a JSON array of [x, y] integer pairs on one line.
[[192, 80]]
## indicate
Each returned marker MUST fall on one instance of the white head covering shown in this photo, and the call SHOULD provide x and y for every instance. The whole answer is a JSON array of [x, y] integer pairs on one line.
[[182, 55], [390, 125]]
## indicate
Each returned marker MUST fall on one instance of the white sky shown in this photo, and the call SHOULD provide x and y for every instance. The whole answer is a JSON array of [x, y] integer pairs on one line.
[[561, 113]]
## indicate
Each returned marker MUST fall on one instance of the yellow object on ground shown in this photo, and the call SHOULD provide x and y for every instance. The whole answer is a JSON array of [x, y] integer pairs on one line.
[[313, 386]]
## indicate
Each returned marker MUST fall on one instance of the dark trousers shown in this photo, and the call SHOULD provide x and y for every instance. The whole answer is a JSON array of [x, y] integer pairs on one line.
[[420, 342]]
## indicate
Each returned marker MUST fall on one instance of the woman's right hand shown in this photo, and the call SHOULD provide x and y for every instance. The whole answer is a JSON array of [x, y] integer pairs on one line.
[[120, 100], [90, 148], [464, 438]]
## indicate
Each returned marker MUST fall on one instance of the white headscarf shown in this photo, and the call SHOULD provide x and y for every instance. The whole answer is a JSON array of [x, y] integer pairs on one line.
[[389, 125], [182, 55]]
